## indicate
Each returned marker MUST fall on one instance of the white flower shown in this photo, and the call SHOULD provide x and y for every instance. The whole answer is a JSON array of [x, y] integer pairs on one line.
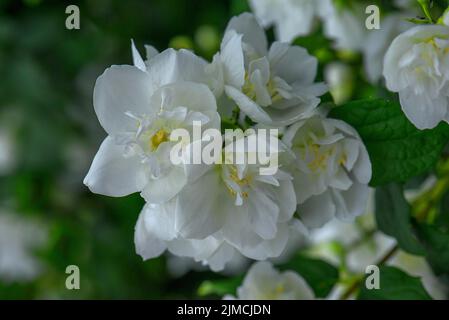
[[18, 238], [345, 25], [275, 86], [214, 251], [225, 208], [331, 170], [417, 67], [139, 109], [291, 18], [263, 282]]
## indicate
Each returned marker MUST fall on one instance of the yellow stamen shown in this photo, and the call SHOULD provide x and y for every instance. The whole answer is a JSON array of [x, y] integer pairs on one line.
[[159, 137]]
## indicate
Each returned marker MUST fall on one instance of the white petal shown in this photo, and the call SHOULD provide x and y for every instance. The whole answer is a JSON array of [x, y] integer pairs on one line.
[[160, 220], [351, 203], [307, 185], [292, 63], [284, 116], [150, 52], [341, 180], [165, 188], [253, 34], [147, 246], [263, 212], [362, 168], [190, 95], [118, 90], [171, 66], [297, 287], [423, 111], [248, 106], [286, 200], [317, 210], [297, 20], [260, 279], [114, 175], [202, 207], [220, 257], [137, 59], [232, 59], [269, 248], [266, 11]]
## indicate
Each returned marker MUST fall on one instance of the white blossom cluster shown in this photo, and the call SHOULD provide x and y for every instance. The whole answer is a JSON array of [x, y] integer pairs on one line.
[[213, 212], [343, 23], [414, 58]]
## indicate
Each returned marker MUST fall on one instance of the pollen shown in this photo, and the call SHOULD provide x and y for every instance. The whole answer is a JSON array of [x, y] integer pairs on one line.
[[249, 90], [242, 183], [319, 161], [280, 288], [159, 137]]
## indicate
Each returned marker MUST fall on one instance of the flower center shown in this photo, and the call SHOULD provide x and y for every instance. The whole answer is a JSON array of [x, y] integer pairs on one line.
[[159, 137], [237, 187], [316, 156], [249, 89], [275, 293], [319, 158]]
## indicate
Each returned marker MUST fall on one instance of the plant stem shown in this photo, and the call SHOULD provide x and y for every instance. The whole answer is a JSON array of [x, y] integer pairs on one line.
[[353, 288]]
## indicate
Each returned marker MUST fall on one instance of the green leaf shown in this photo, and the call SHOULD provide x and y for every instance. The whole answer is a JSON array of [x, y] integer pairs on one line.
[[220, 287], [395, 284], [436, 243], [397, 149], [320, 275], [393, 217]]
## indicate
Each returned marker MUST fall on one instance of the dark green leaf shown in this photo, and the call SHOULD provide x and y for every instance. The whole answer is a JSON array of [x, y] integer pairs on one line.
[[393, 217], [395, 285], [436, 243], [397, 149]]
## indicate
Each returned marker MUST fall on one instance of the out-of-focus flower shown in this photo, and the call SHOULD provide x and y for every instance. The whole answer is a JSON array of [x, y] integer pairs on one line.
[[7, 151], [378, 41], [340, 80], [18, 239], [291, 18], [275, 86], [263, 282], [331, 171], [139, 107], [224, 207], [416, 66], [344, 24], [418, 267]]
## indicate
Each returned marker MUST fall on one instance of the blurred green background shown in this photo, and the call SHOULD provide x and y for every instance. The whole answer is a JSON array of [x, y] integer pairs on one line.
[[47, 75]]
